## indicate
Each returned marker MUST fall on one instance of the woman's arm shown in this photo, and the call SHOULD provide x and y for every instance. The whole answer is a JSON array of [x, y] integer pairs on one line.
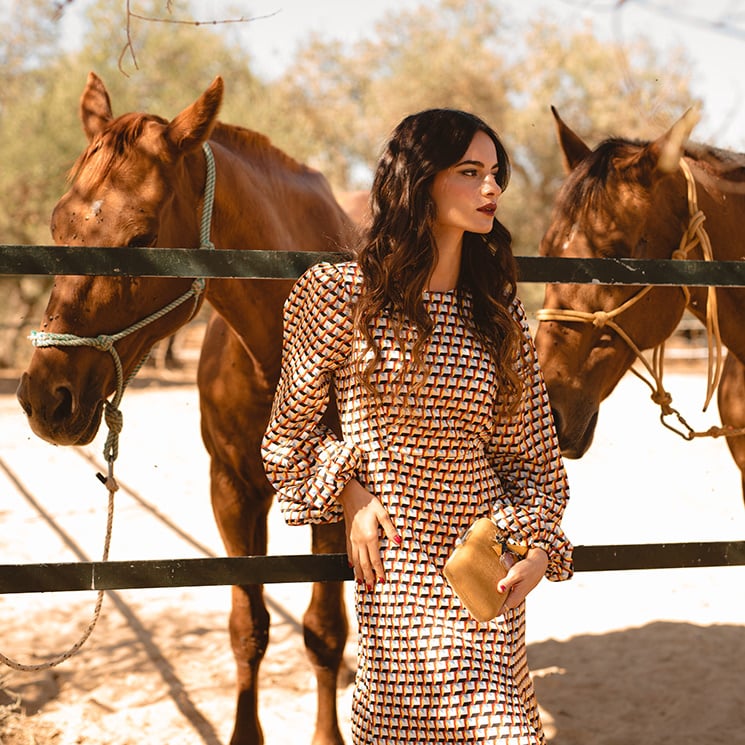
[[304, 460], [525, 453]]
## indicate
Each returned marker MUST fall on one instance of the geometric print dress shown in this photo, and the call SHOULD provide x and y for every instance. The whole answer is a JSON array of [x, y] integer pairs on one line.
[[431, 452]]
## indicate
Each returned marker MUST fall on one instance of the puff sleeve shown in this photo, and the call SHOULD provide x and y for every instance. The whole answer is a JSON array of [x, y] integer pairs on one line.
[[525, 454], [307, 463]]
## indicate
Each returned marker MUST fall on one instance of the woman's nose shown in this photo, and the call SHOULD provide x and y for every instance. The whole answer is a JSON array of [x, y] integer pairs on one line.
[[490, 186]]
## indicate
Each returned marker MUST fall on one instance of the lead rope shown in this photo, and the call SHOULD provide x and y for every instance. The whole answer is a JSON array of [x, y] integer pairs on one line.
[[112, 414], [694, 235]]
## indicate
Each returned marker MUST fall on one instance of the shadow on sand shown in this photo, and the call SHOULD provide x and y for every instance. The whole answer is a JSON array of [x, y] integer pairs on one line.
[[664, 683]]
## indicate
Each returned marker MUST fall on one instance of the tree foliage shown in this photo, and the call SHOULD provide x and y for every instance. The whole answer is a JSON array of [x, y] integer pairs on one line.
[[469, 54], [336, 103]]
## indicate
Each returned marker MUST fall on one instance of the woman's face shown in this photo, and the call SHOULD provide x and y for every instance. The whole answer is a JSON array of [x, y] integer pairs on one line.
[[466, 194]]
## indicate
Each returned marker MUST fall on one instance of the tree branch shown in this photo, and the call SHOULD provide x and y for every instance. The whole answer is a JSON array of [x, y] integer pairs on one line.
[[130, 14]]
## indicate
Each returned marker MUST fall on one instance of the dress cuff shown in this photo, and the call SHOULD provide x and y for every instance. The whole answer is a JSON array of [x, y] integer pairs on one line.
[[516, 525], [559, 550], [338, 462], [316, 500]]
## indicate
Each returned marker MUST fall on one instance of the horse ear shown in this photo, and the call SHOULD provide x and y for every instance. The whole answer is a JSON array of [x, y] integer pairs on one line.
[[668, 149], [193, 126], [95, 106], [573, 148]]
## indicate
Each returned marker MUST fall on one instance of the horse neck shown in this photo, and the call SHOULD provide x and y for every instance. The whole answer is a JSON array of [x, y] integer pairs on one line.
[[265, 201], [721, 199]]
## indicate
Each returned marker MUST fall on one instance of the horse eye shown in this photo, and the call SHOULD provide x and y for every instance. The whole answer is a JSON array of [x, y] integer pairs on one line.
[[616, 249], [142, 241]]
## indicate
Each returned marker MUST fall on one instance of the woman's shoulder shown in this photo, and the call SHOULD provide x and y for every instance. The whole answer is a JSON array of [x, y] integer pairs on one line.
[[326, 278]]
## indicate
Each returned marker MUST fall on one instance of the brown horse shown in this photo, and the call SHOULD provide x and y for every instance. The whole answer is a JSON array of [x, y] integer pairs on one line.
[[142, 181], [641, 200]]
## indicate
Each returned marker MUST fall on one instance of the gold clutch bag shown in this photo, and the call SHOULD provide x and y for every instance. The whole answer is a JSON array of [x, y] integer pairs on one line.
[[480, 560]]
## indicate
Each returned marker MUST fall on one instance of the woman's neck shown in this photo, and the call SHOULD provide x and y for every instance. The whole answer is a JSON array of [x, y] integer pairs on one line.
[[445, 275]]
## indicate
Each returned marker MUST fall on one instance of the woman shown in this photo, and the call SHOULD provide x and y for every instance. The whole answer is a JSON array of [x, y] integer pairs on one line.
[[444, 418]]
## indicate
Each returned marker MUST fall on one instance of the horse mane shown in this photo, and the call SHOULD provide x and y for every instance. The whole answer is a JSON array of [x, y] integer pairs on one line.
[[589, 179], [255, 146], [122, 134]]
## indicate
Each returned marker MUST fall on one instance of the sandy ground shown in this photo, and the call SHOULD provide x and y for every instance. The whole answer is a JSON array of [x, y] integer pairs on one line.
[[619, 658]]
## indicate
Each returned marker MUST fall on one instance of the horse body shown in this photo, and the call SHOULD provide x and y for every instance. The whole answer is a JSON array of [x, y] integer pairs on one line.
[[141, 182], [629, 199]]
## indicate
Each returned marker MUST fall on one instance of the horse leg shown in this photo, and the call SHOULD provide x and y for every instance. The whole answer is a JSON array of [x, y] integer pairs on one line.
[[731, 400], [325, 621], [249, 630], [234, 415], [325, 631]]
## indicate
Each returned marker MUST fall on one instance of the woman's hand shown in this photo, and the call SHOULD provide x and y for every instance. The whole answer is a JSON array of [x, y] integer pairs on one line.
[[523, 576], [364, 515]]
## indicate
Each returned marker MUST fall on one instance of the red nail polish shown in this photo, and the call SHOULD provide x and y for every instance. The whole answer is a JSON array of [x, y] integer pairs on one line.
[[397, 540]]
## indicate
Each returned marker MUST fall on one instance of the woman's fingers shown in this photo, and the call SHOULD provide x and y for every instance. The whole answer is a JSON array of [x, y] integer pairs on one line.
[[366, 557], [365, 516], [523, 576], [389, 528], [370, 562]]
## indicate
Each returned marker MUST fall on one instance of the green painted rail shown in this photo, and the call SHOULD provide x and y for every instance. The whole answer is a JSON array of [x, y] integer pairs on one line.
[[234, 263], [257, 264], [244, 570]]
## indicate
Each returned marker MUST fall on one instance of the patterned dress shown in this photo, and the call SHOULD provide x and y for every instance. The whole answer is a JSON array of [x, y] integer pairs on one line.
[[427, 672]]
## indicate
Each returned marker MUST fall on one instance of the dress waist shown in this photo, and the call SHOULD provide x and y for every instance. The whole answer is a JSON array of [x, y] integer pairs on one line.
[[433, 451]]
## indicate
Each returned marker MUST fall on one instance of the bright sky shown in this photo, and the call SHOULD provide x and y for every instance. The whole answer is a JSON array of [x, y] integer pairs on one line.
[[718, 57]]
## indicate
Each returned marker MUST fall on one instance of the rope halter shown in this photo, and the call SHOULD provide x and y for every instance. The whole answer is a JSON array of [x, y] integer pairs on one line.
[[694, 235], [112, 414], [105, 342]]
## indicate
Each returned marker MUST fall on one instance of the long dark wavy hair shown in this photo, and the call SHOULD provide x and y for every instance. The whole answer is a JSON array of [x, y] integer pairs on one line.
[[399, 253]]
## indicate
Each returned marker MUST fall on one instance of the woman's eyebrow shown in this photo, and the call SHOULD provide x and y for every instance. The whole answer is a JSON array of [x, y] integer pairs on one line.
[[475, 163]]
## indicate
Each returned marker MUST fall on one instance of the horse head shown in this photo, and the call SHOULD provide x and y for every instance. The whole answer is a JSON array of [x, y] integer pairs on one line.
[[130, 187], [621, 200]]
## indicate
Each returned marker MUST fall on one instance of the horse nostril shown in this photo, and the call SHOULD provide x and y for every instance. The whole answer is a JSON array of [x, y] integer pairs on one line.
[[62, 408], [51, 408]]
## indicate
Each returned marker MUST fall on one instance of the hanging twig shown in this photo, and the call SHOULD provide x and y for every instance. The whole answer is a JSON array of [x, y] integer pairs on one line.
[[129, 47]]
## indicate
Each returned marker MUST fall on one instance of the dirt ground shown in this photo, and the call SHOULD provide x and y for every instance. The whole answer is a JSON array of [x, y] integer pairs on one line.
[[619, 658]]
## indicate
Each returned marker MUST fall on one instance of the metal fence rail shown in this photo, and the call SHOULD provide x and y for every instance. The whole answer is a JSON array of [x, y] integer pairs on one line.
[[246, 570], [182, 262], [235, 263]]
